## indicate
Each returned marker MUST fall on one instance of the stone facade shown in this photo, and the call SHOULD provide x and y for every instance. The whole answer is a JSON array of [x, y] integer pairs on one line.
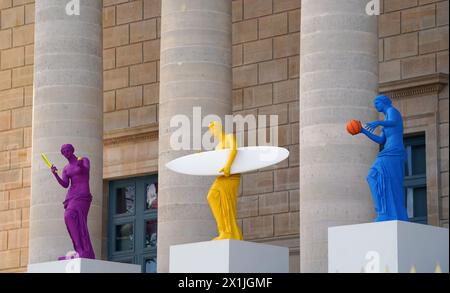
[[16, 99], [413, 48], [266, 48]]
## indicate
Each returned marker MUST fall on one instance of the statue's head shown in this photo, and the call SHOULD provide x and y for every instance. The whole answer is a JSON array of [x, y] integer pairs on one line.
[[381, 102], [215, 128], [67, 150]]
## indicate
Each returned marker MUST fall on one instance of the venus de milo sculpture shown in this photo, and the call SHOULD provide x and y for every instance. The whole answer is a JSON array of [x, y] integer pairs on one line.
[[227, 162], [385, 178], [75, 176]]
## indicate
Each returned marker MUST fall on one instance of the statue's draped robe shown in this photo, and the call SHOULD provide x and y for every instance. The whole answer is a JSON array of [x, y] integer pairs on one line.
[[76, 211], [223, 195], [387, 174]]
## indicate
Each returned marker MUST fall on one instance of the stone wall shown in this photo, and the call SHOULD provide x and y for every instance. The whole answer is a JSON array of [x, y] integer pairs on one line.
[[16, 99], [266, 50], [131, 60], [413, 38], [131, 86]]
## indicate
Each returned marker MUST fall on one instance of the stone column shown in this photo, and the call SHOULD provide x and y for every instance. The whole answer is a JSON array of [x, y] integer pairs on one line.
[[195, 72], [338, 81], [67, 108]]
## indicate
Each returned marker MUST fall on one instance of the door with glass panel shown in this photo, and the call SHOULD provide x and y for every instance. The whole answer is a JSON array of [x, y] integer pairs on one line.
[[132, 223]]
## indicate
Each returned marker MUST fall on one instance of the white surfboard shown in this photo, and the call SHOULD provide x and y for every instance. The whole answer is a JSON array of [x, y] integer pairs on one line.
[[247, 159]]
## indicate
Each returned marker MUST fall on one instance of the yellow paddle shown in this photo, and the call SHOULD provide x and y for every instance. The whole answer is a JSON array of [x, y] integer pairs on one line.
[[46, 161]]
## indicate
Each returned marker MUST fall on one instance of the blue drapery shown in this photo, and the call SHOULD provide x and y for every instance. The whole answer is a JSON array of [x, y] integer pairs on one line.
[[386, 183]]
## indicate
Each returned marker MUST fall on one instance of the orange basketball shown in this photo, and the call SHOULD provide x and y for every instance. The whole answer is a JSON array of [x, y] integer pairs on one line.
[[354, 127]]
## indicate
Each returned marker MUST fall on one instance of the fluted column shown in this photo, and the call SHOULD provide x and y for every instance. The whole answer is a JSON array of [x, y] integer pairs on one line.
[[195, 72], [338, 81], [67, 108]]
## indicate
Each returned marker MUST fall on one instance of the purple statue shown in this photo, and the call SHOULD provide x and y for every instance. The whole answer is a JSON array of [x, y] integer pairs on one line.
[[77, 202]]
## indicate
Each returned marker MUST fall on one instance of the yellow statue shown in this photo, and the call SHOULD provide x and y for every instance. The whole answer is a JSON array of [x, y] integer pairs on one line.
[[222, 196]]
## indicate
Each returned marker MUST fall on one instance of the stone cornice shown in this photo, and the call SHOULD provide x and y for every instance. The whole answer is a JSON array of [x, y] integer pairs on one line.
[[426, 84], [131, 135]]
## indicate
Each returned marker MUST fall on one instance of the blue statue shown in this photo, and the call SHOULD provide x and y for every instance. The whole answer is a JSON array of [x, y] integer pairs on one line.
[[386, 175]]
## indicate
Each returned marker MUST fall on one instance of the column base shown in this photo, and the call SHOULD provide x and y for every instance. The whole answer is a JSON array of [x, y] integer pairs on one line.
[[83, 265], [228, 256], [391, 246]]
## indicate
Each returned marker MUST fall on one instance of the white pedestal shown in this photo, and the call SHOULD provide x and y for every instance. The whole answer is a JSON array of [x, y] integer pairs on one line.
[[83, 265], [228, 256], [391, 246]]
